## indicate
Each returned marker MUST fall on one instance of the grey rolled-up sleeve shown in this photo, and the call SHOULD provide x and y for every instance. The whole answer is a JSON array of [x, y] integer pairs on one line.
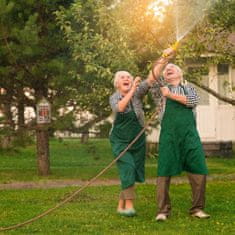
[[142, 89], [113, 101], [191, 97], [156, 93]]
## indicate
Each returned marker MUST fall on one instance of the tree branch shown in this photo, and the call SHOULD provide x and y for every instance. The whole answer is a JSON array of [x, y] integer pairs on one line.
[[89, 124], [214, 93]]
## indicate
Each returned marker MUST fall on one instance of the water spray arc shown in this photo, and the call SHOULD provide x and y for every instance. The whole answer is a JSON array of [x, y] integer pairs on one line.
[[184, 14]]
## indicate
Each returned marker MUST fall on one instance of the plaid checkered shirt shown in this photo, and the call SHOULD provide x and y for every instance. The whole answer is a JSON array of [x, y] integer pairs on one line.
[[192, 98]]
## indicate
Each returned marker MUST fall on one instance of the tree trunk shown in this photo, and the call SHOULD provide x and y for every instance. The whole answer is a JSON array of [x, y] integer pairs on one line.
[[8, 137], [21, 131], [21, 119], [43, 154], [8, 116], [6, 142], [84, 137]]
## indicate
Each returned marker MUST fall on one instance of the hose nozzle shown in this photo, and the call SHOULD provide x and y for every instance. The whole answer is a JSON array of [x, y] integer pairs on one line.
[[173, 46]]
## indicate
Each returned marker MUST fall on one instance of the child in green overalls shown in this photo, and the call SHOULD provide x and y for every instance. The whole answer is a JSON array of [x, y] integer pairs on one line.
[[180, 148], [126, 104]]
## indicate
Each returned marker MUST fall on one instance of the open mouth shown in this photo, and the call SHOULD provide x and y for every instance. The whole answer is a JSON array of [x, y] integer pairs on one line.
[[126, 84], [169, 73]]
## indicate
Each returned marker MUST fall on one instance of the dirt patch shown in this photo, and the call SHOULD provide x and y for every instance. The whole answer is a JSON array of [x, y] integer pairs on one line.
[[78, 183]]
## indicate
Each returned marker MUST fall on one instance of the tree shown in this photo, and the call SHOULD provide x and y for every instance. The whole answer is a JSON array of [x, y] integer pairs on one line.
[[99, 48], [34, 57]]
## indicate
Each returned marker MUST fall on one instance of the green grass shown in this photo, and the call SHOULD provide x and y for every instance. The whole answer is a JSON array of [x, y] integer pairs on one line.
[[72, 160], [94, 211]]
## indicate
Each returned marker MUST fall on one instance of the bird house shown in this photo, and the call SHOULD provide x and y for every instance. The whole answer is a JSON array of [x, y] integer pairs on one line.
[[43, 112]]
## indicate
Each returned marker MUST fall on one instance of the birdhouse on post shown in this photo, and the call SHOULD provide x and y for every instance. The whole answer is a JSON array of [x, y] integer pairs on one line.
[[42, 136], [43, 112]]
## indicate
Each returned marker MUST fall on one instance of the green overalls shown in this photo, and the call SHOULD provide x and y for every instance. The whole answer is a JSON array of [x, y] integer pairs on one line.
[[131, 164], [180, 148]]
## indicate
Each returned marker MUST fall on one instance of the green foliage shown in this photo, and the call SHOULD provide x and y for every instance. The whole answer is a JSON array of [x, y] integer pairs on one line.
[[104, 129], [224, 18], [148, 36], [6, 135], [98, 48], [212, 36], [34, 54], [23, 139]]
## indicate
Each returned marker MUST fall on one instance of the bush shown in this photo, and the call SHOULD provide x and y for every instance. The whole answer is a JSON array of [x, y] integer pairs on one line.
[[104, 129], [6, 138], [10, 139]]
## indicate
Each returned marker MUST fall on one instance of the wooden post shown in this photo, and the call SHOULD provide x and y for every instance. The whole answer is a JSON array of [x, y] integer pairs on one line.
[[42, 136], [43, 153]]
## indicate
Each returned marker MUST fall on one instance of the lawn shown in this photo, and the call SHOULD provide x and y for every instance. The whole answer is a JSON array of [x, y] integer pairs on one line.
[[94, 211], [72, 160]]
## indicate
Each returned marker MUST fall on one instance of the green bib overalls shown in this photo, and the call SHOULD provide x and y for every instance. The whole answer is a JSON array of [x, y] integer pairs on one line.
[[180, 148], [131, 164]]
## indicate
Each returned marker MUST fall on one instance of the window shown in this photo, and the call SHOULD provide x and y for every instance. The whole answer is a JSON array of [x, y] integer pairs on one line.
[[204, 79], [224, 83], [204, 95]]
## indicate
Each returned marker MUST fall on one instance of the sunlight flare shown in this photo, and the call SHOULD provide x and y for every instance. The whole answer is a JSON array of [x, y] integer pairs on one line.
[[158, 8]]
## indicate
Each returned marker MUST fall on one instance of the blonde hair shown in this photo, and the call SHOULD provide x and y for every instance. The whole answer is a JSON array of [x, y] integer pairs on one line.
[[118, 75], [177, 67]]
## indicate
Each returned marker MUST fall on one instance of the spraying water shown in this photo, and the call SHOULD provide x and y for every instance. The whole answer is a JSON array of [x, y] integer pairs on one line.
[[187, 14], [181, 16]]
